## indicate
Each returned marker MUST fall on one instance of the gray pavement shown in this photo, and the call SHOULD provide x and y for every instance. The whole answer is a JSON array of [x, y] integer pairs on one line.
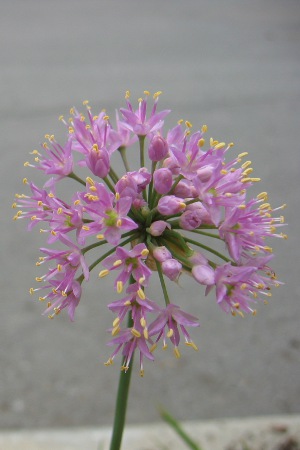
[[233, 65]]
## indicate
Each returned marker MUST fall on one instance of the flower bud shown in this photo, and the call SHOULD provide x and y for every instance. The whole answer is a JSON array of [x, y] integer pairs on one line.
[[171, 268], [157, 228], [170, 204], [190, 219], [204, 274], [185, 189], [162, 180], [98, 162], [158, 148], [161, 254]]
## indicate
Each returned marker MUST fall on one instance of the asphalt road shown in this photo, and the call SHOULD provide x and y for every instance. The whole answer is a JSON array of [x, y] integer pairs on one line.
[[233, 65]]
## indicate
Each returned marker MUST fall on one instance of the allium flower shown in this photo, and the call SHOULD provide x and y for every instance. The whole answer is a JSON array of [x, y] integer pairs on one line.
[[154, 223]]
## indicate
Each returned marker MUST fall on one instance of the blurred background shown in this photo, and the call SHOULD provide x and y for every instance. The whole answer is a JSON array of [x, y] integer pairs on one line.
[[233, 65]]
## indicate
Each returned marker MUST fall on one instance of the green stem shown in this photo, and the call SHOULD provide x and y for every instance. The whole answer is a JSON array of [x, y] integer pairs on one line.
[[205, 247], [108, 183], [122, 151], [162, 282], [76, 178], [204, 233], [121, 402], [142, 155]]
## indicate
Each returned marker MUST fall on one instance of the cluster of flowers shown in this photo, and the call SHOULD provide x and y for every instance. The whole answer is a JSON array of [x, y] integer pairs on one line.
[[157, 212]]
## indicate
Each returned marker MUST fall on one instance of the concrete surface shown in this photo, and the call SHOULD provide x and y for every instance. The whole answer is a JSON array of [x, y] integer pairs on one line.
[[263, 433], [233, 65]]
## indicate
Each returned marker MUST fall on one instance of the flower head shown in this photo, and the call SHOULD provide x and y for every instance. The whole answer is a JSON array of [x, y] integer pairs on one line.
[[148, 223]]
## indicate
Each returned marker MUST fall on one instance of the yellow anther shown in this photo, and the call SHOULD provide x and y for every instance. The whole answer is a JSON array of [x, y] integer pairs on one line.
[[182, 205], [236, 305], [145, 252], [265, 206], [201, 142], [117, 196], [25, 181], [100, 236], [31, 291], [59, 267], [59, 211], [127, 303], [115, 330], [27, 164], [85, 102], [116, 322], [153, 347], [95, 147], [141, 280], [140, 100], [106, 117], [54, 233], [71, 130], [90, 181], [176, 352], [141, 294], [119, 223], [88, 127], [243, 286], [103, 273], [204, 128], [254, 312], [224, 172], [180, 121], [231, 144], [119, 286], [72, 111], [64, 294], [77, 202], [109, 362], [38, 279], [170, 333], [188, 124], [135, 333], [247, 172], [14, 205], [146, 92], [262, 196], [268, 249], [85, 227], [241, 155], [157, 94], [61, 117], [165, 346], [240, 314], [42, 299], [228, 194], [117, 263], [246, 164], [143, 322], [253, 180], [127, 95], [145, 333], [220, 145], [192, 344], [142, 373], [242, 206]]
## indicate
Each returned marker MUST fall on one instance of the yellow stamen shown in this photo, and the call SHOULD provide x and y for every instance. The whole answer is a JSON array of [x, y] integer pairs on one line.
[[146, 92], [201, 142], [157, 94], [170, 333], [103, 273], [90, 181], [135, 333], [120, 287], [145, 252], [220, 145], [188, 124], [204, 128], [141, 294], [127, 95], [109, 362], [117, 263], [100, 236], [241, 155], [176, 352]]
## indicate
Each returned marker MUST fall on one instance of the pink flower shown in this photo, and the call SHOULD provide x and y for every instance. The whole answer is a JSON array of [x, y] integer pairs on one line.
[[137, 121], [169, 323]]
